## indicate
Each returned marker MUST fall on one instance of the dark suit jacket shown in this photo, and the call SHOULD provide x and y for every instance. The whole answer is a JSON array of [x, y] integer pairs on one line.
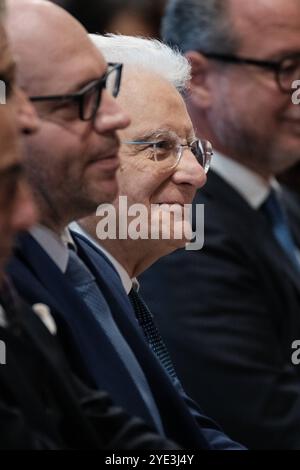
[[39, 280], [291, 201], [43, 406], [229, 314]]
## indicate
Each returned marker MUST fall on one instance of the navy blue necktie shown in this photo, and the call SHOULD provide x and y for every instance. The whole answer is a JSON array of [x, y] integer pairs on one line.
[[85, 284], [277, 217], [151, 332]]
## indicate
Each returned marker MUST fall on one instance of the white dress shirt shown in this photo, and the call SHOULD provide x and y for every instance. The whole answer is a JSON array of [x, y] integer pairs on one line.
[[251, 186], [54, 245]]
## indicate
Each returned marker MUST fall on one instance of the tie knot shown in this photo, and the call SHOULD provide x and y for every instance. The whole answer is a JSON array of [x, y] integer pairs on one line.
[[139, 305], [273, 209]]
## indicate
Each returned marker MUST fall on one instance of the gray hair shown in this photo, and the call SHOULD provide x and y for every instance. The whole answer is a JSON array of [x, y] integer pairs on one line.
[[150, 54], [201, 25]]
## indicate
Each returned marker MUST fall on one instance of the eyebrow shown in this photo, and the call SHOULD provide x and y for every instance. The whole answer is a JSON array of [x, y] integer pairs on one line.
[[77, 88], [148, 136], [65, 94], [285, 54]]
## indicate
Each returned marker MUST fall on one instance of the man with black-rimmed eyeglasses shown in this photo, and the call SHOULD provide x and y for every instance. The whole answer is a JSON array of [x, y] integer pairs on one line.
[[241, 291]]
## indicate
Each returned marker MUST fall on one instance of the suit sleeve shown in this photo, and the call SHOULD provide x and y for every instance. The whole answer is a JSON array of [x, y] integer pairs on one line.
[[114, 427], [17, 433], [216, 437]]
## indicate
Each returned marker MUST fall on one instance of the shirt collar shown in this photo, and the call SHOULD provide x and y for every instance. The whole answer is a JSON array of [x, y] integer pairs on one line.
[[55, 246], [252, 187], [127, 282]]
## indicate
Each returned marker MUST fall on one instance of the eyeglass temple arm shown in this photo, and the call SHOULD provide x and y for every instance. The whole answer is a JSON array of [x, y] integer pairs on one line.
[[242, 60]]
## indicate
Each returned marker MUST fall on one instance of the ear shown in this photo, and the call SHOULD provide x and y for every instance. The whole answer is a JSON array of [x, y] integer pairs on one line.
[[199, 90]]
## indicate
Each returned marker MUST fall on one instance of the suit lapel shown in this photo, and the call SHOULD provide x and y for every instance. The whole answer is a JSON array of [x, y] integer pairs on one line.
[[279, 259], [14, 380], [95, 350], [54, 375]]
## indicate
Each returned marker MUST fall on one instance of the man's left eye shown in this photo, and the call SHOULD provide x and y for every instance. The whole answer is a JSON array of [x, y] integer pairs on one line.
[[163, 145]]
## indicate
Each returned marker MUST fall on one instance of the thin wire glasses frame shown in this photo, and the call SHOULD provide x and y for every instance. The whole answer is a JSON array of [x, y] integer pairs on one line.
[[89, 97], [201, 149], [286, 70]]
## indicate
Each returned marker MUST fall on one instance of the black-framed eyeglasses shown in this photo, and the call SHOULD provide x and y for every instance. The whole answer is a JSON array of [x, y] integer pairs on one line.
[[286, 70], [168, 151], [89, 97]]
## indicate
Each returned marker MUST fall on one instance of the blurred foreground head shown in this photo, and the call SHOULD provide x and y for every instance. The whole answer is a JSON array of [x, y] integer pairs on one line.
[[17, 116]]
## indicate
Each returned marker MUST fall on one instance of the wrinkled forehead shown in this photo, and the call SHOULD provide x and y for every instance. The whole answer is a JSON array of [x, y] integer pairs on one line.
[[153, 103]]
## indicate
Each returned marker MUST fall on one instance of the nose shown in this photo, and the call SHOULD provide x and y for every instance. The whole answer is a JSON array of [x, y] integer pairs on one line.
[[189, 171], [27, 119], [110, 116], [24, 211]]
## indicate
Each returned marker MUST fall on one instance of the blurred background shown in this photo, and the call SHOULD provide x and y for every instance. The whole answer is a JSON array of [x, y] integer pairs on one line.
[[131, 17]]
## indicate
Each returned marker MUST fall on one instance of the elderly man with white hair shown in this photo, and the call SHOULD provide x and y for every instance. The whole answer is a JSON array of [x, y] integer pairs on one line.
[[162, 162], [162, 166]]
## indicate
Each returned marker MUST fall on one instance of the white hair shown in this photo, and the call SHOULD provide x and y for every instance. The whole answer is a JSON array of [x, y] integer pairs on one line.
[[151, 54]]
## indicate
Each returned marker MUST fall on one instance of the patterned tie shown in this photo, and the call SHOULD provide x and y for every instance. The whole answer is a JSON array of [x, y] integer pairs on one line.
[[152, 335], [85, 284], [274, 211]]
